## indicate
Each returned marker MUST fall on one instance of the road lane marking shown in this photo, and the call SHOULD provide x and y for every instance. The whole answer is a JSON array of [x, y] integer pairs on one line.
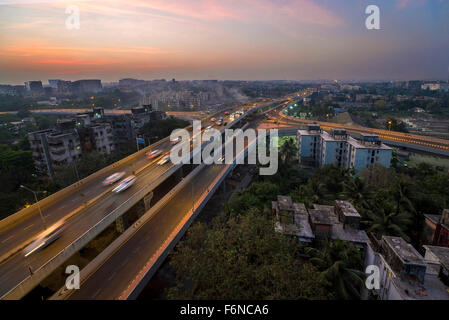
[[96, 293], [112, 275], [28, 227], [3, 241]]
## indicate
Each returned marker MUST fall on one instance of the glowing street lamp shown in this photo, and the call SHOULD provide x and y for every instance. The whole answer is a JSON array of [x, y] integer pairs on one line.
[[37, 202]]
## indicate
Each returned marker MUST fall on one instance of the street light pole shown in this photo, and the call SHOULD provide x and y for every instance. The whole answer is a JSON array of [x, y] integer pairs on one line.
[[193, 200], [37, 202], [74, 161], [76, 170]]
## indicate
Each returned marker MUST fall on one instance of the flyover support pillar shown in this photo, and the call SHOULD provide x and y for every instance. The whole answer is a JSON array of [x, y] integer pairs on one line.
[[223, 186], [147, 201], [121, 224], [178, 175]]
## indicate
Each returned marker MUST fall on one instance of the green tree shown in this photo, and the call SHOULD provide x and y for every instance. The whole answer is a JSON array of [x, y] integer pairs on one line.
[[242, 258], [385, 219], [159, 129], [340, 265], [395, 125], [380, 105], [357, 191], [259, 195], [288, 151]]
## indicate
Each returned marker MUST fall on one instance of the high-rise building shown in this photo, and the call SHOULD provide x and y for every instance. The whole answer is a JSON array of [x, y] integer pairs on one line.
[[86, 86], [70, 138], [54, 83], [35, 88], [319, 148], [310, 142], [64, 88], [54, 147]]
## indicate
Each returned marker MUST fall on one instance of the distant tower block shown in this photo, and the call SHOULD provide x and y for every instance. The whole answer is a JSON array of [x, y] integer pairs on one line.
[[146, 103]]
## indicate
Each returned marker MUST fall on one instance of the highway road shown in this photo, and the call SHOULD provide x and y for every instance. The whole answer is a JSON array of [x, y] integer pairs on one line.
[[113, 276], [122, 264], [16, 268], [424, 141], [117, 272]]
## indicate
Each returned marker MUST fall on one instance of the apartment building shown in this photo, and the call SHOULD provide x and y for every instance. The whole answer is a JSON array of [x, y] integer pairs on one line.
[[436, 229], [54, 147], [320, 222], [140, 116], [122, 128], [102, 137], [334, 148], [319, 148], [310, 142], [67, 142], [404, 274], [367, 152], [40, 152], [34, 88]]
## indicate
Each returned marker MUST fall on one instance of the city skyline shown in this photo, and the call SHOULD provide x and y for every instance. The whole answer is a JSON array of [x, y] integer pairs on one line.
[[244, 40]]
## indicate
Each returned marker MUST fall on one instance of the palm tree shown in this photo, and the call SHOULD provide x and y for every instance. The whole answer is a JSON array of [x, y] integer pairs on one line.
[[288, 151], [339, 263], [386, 219], [402, 193], [334, 177], [356, 191], [313, 191]]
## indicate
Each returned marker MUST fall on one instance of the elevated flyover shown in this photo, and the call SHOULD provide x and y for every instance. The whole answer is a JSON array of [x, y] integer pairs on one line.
[[125, 267], [91, 209], [399, 139]]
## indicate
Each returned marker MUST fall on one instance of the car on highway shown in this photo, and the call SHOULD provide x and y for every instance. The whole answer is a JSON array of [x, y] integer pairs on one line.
[[125, 184], [45, 238], [153, 154], [209, 127], [164, 160], [175, 141], [113, 178]]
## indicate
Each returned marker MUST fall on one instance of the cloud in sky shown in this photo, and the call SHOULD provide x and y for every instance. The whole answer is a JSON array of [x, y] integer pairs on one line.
[[246, 39], [406, 3]]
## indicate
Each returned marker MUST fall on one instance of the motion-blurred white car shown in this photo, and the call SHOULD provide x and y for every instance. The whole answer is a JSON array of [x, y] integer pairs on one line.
[[164, 160], [125, 184], [153, 154], [45, 238], [176, 141], [113, 178]]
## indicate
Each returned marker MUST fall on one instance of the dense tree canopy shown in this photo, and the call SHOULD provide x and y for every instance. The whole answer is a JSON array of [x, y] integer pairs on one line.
[[242, 258]]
